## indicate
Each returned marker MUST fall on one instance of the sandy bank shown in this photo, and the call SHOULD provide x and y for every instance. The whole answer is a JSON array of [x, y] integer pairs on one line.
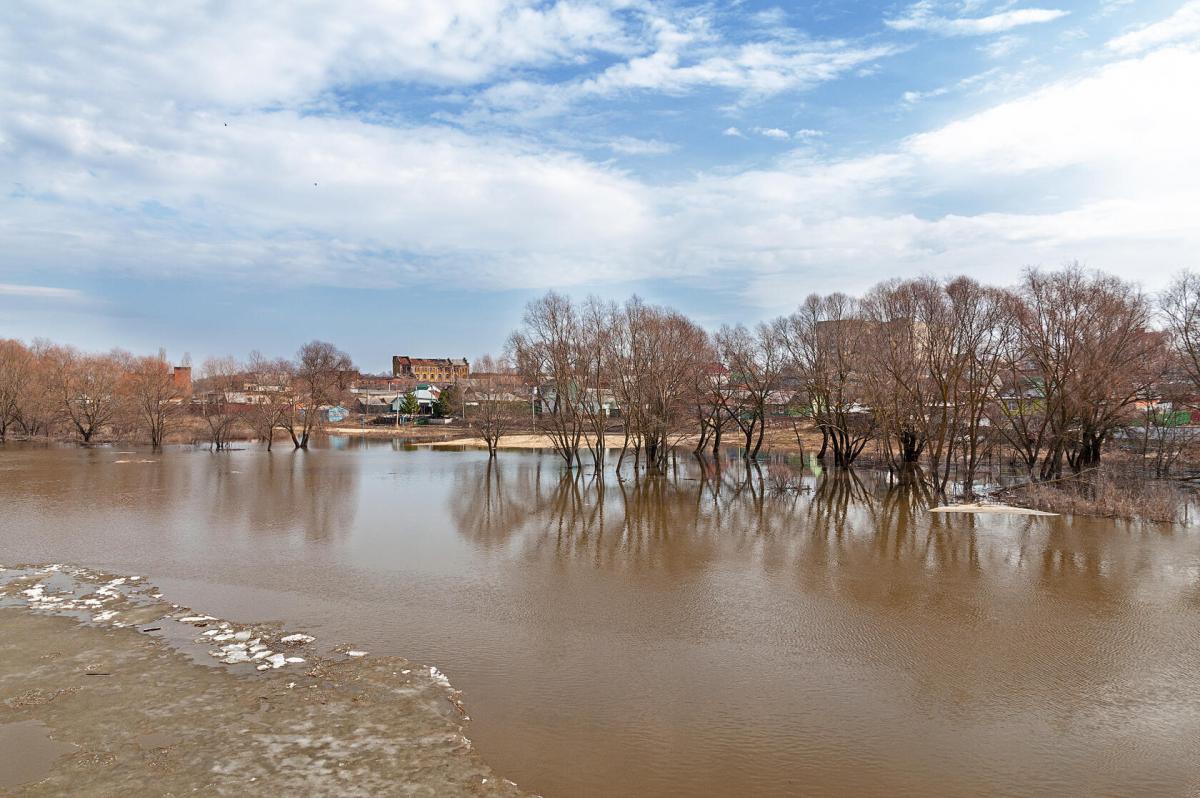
[[524, 441], [777, 440], [127, 697], [988, 509]]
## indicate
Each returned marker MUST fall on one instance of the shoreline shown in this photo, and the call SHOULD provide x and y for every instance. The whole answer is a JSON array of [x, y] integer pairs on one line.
[[106, 686]]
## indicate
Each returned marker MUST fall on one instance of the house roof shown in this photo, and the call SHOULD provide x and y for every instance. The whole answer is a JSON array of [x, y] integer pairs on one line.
[[430, 361]]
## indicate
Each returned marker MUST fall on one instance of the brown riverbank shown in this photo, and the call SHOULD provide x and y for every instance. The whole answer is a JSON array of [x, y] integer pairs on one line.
[[124, 699]]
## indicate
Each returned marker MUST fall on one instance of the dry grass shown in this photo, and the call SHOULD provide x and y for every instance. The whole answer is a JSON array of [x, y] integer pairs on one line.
[[1108, 495]]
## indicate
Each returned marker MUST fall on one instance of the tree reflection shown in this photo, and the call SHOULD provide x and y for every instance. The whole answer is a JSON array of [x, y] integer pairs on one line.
[[858, 532], [279, 493]]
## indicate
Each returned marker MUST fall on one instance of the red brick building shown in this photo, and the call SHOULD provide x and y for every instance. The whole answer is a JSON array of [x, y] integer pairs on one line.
[[431, 369]]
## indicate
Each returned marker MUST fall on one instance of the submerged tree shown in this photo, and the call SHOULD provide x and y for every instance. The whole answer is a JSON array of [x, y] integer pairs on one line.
[[321, 374], [220, 377], [547, 354], [86, 387], [270, 382], [756, 361], [1087, 353], [655, 360], [157, 399], [16, 372], [494, 407], [826, 340]]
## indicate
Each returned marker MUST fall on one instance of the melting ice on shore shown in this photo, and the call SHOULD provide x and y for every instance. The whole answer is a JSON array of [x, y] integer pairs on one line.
[[438, 676]]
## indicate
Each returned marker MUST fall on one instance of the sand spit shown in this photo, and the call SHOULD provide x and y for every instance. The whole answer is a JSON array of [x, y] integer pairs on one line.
[[525, 441], [988, 509], [143, 697]]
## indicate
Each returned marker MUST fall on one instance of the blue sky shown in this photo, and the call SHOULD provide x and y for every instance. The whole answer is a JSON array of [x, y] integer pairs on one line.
[[402, 177]]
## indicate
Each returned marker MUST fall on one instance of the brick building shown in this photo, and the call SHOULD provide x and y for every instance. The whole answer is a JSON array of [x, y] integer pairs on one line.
[[431, 369]]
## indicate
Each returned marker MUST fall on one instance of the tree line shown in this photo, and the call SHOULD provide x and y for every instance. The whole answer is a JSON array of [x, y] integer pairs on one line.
[[52, 390], [930, 375]]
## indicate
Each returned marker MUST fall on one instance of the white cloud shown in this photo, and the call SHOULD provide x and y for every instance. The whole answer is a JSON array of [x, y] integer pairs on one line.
[[242, 199], [1126, 118], [732, 131], [923, 16], [257, 52], [40, 292], [770, 17], [628, 145], [969, 82], [685, 55], [914, 97], [1183, 25], [1002, 46], [111, 177], [772, 132], [760, 69]]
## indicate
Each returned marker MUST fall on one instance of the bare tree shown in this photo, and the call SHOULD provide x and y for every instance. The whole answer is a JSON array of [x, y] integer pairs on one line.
[[220, 379], [826, 340], [1165, 427], [1090, 354], [897, 385], [985, 322], [86, 388], [939, 348], [593, 404], [321, 376], [16, 370], [656, 359], [755, 361], [1180, 306], [155, 397], [39, 406], [492, 396], [712, 396], [270, 391], [546, 353]]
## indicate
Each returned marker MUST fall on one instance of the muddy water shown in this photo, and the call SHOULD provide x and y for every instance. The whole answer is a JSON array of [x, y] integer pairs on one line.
[[27, 751], [700, 634]]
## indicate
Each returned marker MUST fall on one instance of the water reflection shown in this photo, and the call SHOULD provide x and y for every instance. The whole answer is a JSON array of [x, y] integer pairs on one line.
[[822, 524], [290, 494], [996, 627]]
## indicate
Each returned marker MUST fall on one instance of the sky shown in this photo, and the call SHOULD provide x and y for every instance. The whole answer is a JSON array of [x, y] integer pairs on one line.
[[402, 177]]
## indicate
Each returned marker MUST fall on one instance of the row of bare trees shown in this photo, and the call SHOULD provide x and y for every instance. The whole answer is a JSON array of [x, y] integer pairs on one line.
[[601, 366], [280, 395], [935, 375], [47, 390]]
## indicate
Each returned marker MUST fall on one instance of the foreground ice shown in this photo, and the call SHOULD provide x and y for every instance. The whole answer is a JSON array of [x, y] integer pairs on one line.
[[337, 724]]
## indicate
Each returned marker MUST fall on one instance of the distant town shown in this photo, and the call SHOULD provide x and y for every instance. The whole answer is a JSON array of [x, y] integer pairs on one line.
[[937, 379]]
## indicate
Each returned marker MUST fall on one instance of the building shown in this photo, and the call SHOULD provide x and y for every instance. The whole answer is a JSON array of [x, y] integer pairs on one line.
[[430, 369], [181, 377], [426, 396]]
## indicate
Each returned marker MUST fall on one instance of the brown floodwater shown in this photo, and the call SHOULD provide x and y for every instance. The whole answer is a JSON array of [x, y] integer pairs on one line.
[[698, 633], [27, 752]]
